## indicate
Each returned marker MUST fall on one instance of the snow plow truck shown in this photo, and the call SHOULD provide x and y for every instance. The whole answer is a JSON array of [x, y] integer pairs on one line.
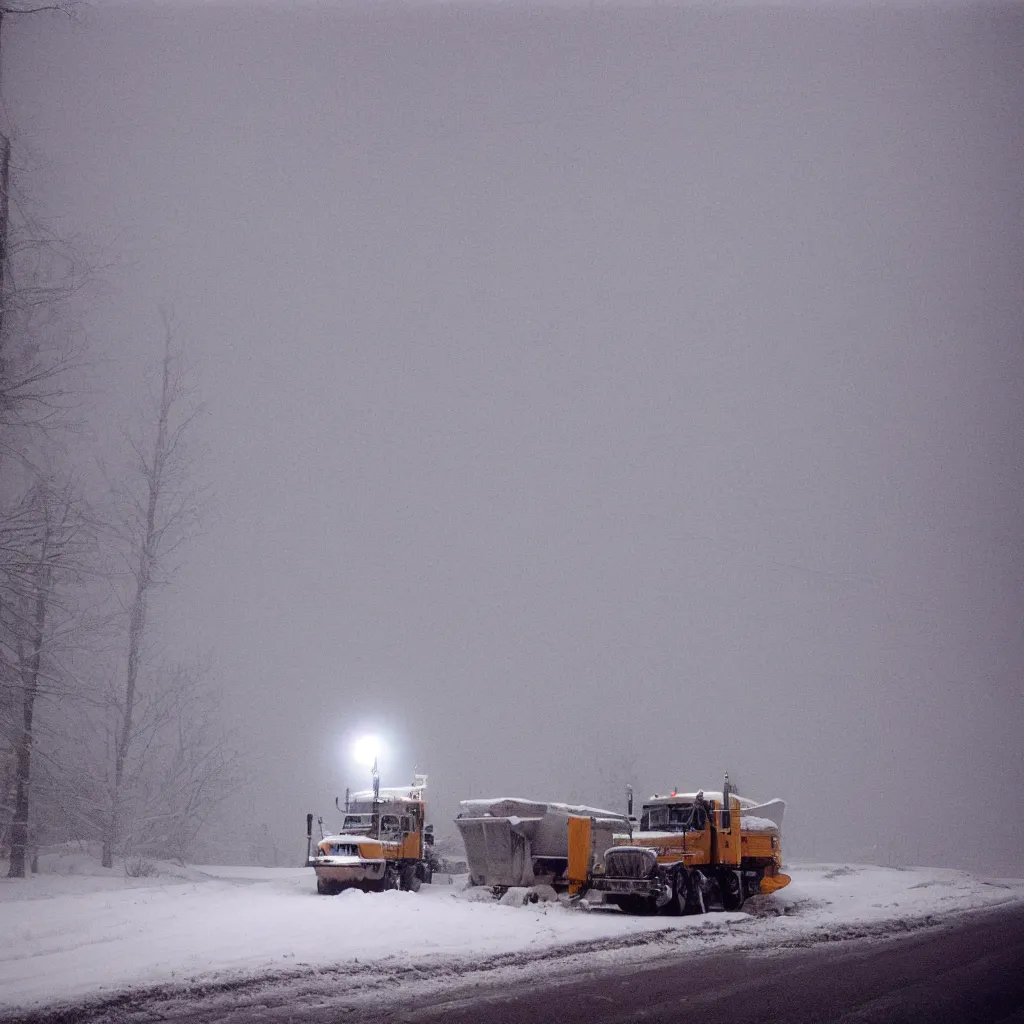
[[384, 842], [688, 853], [692, 852]]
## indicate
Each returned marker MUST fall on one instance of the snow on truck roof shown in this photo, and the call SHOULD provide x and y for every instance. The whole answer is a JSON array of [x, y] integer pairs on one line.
[[757, 815], [752, 811], [389, 794], [513, 806], [688, 798]]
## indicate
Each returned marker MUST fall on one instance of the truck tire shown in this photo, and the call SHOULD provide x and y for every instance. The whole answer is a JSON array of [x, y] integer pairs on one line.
[[410, 879], [325, 888], [389, 880], [640, 906], [677, 901], [695, 895], [733, 896]]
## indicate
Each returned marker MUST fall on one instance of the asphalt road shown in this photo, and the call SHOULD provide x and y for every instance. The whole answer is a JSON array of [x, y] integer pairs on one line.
[[969, 973]]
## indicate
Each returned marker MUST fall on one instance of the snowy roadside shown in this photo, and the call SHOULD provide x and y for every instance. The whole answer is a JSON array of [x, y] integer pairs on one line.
[[197, 932]]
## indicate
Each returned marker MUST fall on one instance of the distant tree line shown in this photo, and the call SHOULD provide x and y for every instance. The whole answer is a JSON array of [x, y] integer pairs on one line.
[[104, 739]]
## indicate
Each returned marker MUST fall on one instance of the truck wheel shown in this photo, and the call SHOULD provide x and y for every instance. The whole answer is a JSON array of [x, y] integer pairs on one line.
[[695, 896], [641, 906], [410, 880], [324, 888], [424, 873], [733, 896], [677, 901], [389, 880]]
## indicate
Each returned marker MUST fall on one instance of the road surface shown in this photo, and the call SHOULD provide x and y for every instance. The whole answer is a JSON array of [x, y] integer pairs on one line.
[[966, 971], [969, 973]]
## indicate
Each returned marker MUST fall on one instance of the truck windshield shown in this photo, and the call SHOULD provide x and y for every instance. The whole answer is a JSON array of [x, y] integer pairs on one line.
[[672, 818], [358, 822]]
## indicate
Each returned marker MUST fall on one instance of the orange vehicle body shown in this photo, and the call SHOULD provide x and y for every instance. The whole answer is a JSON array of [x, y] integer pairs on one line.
[[692, 853], [383, 843]]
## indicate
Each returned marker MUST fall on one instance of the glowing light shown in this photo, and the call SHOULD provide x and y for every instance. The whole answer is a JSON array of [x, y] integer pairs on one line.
[[366, 750]]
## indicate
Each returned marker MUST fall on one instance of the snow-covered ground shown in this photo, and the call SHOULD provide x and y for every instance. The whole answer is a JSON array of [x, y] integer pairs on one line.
[[70, 936]]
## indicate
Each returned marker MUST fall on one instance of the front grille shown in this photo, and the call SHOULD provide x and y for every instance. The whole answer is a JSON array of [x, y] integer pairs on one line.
[[630, 862]]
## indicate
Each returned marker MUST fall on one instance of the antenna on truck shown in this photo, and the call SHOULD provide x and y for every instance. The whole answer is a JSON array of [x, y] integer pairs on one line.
[[376, 798]]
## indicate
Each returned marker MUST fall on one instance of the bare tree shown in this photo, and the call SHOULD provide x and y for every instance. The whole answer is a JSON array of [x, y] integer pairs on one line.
[[31, 7], [45, 536], [42, 522], [42, 547], [39, 274], [156, 519], [183, 767], [67, 7], [36, 269]]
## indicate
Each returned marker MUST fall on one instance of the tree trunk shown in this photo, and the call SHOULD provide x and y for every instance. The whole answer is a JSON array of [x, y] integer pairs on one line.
[[137, 621], [5, 184], [30, 680], [136, 630]]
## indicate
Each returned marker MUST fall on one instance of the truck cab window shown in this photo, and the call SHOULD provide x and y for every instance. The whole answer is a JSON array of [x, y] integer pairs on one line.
[[681, 818], [654, 818]]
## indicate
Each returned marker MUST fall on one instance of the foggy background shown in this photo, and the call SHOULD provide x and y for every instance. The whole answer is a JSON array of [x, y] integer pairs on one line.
[[595, 395]]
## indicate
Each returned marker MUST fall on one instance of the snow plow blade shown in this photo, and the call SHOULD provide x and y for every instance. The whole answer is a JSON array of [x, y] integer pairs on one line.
[[772, 883]]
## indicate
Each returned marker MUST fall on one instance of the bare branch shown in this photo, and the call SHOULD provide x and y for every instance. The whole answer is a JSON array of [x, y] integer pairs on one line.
[[155, 517]]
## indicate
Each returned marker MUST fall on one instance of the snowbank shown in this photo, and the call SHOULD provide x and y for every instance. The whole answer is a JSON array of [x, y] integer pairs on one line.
[[72, 936]]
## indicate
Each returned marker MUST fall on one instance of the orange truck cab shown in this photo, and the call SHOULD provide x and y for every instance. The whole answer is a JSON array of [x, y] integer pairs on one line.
[[384, 842], [695, 851]]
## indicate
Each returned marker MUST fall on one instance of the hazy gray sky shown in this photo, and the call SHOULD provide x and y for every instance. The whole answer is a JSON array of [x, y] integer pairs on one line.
[[594, 394]]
